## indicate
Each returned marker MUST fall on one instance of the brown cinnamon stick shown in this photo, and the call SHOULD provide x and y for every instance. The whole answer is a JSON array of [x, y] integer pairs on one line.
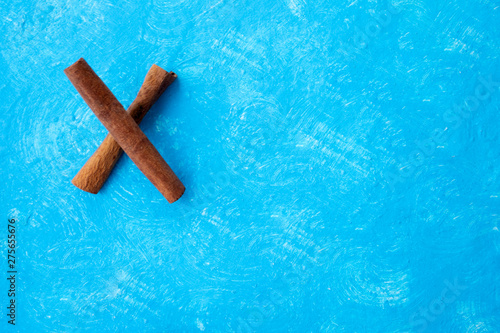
[[124, 129], [97, 169]]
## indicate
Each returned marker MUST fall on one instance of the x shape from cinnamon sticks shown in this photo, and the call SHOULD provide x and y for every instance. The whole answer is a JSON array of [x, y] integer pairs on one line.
[[124, 130], [98, 167]]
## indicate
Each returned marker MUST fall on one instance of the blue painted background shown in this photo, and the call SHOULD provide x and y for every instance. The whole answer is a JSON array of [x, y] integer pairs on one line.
[[335, 180]]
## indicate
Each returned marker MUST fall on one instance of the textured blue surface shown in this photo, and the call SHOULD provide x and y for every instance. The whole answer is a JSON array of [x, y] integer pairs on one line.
[[319, 198]]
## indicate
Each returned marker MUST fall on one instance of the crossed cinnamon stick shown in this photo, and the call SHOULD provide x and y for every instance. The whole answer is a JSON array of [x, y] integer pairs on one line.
[[124, 132]]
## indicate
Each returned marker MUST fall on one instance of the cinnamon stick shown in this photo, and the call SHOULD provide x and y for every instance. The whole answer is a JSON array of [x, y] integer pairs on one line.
[[124, 130], [98, 167]]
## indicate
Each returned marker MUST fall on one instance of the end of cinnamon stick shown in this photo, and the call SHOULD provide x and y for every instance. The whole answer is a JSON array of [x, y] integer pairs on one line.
[[179, 194]]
